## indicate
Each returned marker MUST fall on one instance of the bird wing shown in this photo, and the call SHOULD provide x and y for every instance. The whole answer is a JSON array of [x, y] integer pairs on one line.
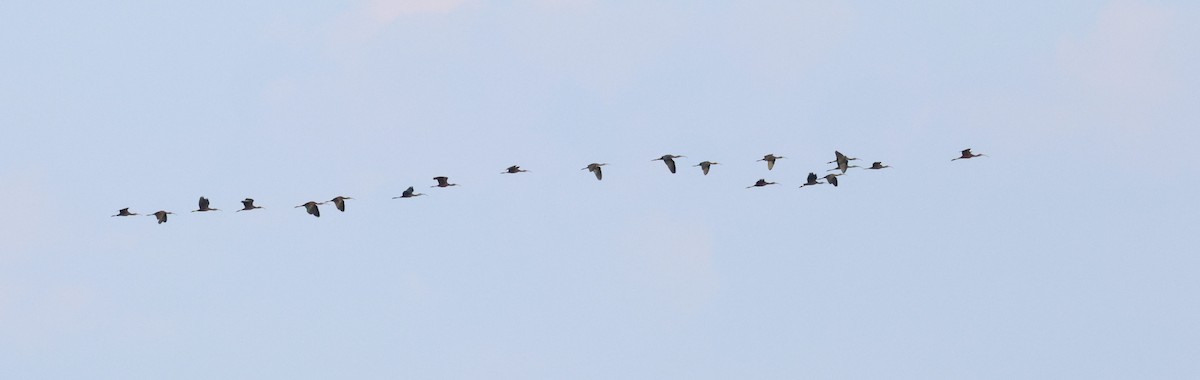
[[340, 204], [771, 163], [248, 203], [409, 192], [966, 152], [599, 174], [670, 164], [705, 167], [203, 203], [832, 180]]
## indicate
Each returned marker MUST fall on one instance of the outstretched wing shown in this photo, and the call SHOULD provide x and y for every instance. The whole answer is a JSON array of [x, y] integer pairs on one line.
[[203, 203], [670, 164]]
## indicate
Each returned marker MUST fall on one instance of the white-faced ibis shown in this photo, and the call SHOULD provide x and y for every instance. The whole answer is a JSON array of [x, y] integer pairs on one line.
[[832, 179], [204, 206], [760, 183], [409, 193], [704, 166], [443, 182], [595, 168], [770, 159], [311, 208], [513, 170], [966, 153], [125, 212], [161, 216], [838, 156], [812, 180], [247, 205], [668, 159], [340, 202], [878, 165]]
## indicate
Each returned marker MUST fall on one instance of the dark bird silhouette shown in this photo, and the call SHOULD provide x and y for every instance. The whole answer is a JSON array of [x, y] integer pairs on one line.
[[340, 202], [408, 194], [812, 180], [843, 162], [770, 159], [247, 205], [443, 182], [513, 170], [832, 179], [966, 153], [704, 166], [125, 212], [161, 216], [668, 159], [760, 183], [311, 208], [204, 206], [595, 168], [878, 165]]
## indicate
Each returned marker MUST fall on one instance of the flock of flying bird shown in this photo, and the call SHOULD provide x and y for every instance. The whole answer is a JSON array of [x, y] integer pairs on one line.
[[842, 161]]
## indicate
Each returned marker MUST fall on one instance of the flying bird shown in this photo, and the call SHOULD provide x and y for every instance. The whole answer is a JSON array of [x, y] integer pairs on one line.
[[770, 159], [513, 170], [311, 208], [760, 183], [832, 179], [838, 156], [669, 159], [812, 180], [340, 202], [161, 216], [247, 205], [966, 153], [704, 166], [204, 206], [878, 165], [595, 168], [125, 212], [443, 182], [408, 194]]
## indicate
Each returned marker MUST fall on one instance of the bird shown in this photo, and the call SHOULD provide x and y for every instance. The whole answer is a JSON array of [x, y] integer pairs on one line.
[[770, 159], [340, 202], [125, 212], [408, 194], [513, 170], [704, 166], [443, 182], [204, 206], [247, 205], [878, 165], [595, 168], [161, 216], [966, 153], [812, 180], [832, 179], [669, 159], [311, 208], [760, 183], [838, 156]]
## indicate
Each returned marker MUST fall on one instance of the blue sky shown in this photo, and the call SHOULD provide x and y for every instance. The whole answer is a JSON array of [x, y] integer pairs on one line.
[[1065, 254]]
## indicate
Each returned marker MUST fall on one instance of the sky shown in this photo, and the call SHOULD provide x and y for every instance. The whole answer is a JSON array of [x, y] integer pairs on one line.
[[1066, 253]]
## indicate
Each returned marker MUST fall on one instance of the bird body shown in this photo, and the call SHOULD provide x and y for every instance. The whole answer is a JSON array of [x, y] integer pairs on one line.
[[668, 159], [125, 212], [409, 193], [812, 180], [204, 206], [247, 205], [513, 170], [705, 165], [443, 182], [311, 208], [595, 168], [760, 183], [832, 179], [161, 216], [770, 159], [878, 165], [340, 202], [966, 153]]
